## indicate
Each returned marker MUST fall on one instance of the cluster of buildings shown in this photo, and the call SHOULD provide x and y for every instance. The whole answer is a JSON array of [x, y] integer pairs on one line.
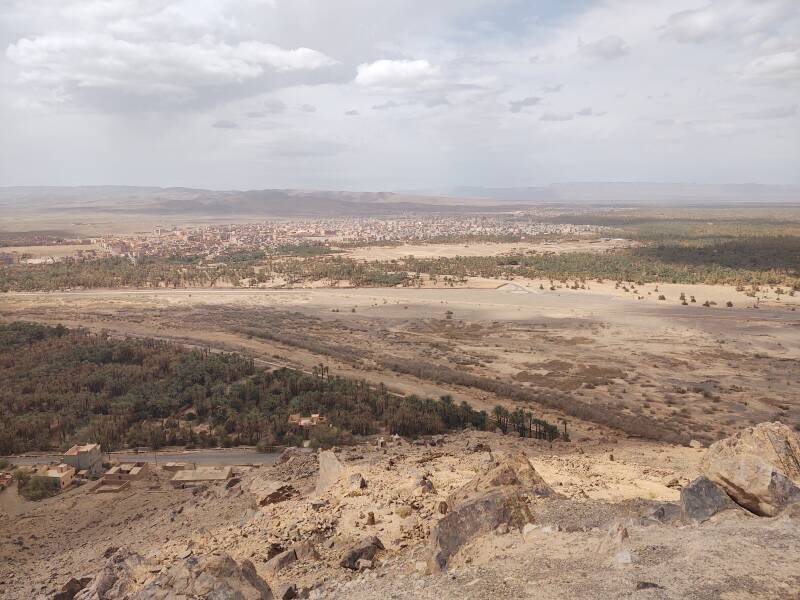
[[85, 462], [210, 241]]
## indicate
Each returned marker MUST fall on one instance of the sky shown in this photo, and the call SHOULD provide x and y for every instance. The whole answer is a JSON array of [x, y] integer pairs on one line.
[[398, 94]]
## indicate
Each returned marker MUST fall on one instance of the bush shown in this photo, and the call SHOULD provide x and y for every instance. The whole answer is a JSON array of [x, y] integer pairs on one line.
[[39, 488]]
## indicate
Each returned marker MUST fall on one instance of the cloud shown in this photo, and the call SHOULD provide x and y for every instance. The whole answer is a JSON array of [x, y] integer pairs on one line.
[[552, 89], [351, 113], [274, 107], [390, 104], [781, 66], [610, 47], [589, 112], [728, 18], [177, 71], [516, 106], [775, 112], [397, 74], [225, 124], [309, 108], [556, 117]]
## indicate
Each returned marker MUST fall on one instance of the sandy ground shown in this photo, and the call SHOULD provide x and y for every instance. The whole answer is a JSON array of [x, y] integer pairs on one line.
[[483, 249], [705, 370]]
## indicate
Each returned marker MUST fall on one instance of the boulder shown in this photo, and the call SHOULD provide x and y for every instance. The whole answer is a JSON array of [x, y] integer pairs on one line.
[[494, 497], [330, 469], [774, 443], [363, 550], [754, 483], [213, 576], [287, 591], [476, 516], [280, 561], [267, 491], [702, 499], [305, 551]]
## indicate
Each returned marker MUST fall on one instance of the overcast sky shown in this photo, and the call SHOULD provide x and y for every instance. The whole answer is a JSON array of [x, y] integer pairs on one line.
[[398, 94]]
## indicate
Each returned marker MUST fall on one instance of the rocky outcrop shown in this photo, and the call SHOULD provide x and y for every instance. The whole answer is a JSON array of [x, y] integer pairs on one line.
[[214, 576], [497, 497], [759, 467], [702, 499]]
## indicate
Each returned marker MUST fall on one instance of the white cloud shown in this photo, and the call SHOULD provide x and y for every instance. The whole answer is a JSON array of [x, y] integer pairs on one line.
[[609, 48], [168, 69], [413, 74], [728, 18], [225, 124], [780, 66]]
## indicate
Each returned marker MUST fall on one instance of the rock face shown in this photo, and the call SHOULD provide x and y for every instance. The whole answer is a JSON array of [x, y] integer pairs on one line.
[[213, 576], [759, 467], [702, 499], [330, 470], [496, 497]]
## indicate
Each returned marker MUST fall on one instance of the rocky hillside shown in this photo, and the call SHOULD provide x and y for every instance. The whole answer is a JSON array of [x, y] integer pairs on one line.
[[472, 515]]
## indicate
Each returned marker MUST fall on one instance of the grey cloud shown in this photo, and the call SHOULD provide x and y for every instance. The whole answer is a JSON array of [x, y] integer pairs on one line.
[[516, 106], [556, 117], [225, 124], [309, 108], [589, 112], [274, 107], [390, 104], [437, 101], [553, 88], [609, 48], [351, 113], [775, 112]]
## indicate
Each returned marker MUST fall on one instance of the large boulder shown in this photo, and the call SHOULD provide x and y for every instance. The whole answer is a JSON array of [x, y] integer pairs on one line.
[[774, 443], [475, 516], [496, 497], [702, 499], [754, 484], [759, 467]]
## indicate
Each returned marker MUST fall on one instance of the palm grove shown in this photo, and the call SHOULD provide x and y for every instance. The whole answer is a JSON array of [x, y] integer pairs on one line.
[[62, 386]]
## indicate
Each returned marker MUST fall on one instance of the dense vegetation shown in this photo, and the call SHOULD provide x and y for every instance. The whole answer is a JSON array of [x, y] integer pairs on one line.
[[62, 386]]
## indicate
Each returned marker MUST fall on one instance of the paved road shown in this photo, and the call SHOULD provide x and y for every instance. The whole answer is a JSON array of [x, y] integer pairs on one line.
[[201, 457]]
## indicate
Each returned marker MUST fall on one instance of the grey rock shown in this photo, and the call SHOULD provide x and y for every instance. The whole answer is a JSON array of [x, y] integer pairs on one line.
[[365, 549], [702, 499]]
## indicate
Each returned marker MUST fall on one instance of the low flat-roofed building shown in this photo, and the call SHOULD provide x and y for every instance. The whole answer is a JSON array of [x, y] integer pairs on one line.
[[126, 471], [191, 477], [62, 474], [88, 457]]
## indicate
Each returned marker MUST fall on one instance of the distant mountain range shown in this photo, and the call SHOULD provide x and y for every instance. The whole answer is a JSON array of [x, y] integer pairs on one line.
[[627, 193], [121, 201]]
